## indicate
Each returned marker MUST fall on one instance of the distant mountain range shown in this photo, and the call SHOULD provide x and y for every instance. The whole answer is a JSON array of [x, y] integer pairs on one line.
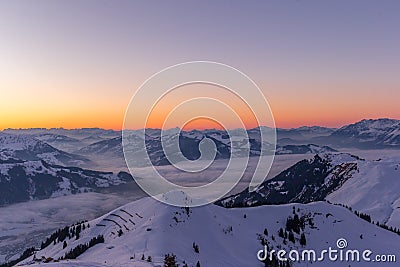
[[21, 151], [64, 139], [383, 133], [365, 134]]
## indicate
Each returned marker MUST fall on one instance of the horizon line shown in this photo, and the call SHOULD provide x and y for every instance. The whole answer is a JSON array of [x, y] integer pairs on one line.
[[199, 129]]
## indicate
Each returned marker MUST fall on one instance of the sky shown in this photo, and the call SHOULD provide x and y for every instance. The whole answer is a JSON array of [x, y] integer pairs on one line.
[[77, 64]]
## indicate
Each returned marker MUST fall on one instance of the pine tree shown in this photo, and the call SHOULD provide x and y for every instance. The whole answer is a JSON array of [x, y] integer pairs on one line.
[[266, 231], [142, 257], [303, 241], [291, 237], [198, 264], [280, 233], [64, 244], [196, 247], [296, 223], [149, 259]]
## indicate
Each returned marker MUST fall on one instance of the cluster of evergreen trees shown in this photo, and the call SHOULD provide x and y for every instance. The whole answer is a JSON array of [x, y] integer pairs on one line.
[[367, 218], [170, 261], [389, 228], [58, 236], [363, 216], [67, 232], [272, 260], [276, 263], [290, 236], [26, 254], [81, 248], [293, 225]]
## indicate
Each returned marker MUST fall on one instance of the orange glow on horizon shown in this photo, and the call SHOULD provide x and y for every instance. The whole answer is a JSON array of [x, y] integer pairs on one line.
[[47, 108]]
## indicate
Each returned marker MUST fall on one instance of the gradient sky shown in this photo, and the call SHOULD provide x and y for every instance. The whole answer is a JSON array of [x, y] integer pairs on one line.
[[77, 63]]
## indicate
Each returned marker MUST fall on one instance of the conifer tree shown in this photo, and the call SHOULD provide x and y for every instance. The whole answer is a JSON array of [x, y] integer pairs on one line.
[[303, 241]]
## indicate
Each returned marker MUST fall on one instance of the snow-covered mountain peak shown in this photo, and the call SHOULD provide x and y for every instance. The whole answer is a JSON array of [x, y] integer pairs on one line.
[[339, 158], [177, 196], [373, 127], [382, 123]]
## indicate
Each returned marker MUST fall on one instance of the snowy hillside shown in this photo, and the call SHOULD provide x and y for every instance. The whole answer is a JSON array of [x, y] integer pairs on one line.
[[374, 189], [27, 180], [304, 182], [26, 147], [368, 186], [143, 232]]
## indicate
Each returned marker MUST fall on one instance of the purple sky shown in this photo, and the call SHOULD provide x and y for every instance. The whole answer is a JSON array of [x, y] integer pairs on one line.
[[70, 63]]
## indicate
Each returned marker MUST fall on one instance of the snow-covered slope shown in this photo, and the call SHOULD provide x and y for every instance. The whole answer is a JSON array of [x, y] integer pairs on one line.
[[368, 186], [223, 237], [27, 180], [26, 147], [304, 182], [374, 189]]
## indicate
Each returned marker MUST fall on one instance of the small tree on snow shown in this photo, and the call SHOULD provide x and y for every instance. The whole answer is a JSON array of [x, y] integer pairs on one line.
[[196, 247], [170, 260], [303, 240]]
